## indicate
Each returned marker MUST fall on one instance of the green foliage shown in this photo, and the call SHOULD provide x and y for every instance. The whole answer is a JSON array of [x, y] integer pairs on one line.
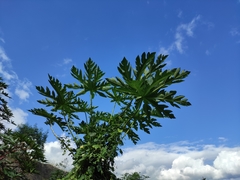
[[5, 112], [134, 176], [138, 98], [59, 173], [18, 152], [18, 155], [34, 133]]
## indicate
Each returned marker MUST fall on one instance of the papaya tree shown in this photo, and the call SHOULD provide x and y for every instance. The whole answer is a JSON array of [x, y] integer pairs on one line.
[[139, 97]]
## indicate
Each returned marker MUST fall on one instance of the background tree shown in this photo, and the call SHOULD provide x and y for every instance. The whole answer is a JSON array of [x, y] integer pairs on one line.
[[34, 133], [134, 176], [5, 112], [140, 97], [17, 153]]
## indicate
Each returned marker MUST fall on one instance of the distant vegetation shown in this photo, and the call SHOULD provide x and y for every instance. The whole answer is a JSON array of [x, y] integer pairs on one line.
[[34, 133], [134, 176], [19, 152]]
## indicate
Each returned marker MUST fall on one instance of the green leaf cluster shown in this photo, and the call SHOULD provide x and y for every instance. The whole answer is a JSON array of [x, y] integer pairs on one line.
[[139, 96]]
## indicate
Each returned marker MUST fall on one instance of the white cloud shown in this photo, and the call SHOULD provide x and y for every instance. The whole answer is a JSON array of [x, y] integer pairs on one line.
[[182, 31], [179, 36], [181, 161], [180, 14], [22, 94], [164, 51], [222, 139], [185, 167], [6, 74], [54, 154], [1, 39], [175, 161], [189, 27], [3, 55], [19, 117], [207, 52], [235, 32], [209, 25], [228, 162], [169, 63], [178, 43], [67, 61], [23, 89]]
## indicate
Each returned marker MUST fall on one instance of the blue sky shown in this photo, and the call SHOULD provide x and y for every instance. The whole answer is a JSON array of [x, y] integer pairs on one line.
[[41, 37]]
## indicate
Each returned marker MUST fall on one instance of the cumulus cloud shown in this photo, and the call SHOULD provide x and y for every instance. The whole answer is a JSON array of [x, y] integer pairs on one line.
[[23, 89], [54, 154], [21, 93], [174, 161], [182, 31], [229, 163], [181, 161], [7, 75], [19, 117]]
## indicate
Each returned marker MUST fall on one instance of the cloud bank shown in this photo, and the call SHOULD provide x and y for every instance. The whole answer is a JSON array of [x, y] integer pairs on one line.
[[19, 117], [176, 161], [54, 155]]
